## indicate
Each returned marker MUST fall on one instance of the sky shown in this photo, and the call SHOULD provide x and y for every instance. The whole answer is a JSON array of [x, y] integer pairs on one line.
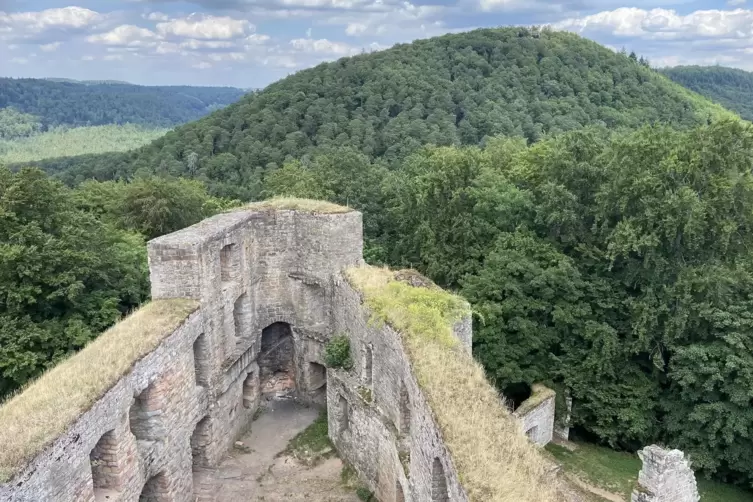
[[252, 43]]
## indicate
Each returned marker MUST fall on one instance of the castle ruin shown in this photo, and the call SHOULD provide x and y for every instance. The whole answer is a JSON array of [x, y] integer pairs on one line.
[[243, 306], [666, 476]]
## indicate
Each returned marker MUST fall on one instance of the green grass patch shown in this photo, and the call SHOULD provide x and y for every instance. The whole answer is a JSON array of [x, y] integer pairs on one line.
[[617, 472], [312, 445], [350, 481], [69, 142]]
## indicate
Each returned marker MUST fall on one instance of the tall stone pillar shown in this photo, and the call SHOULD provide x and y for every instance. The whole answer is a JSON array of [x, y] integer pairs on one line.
[[666, 476]]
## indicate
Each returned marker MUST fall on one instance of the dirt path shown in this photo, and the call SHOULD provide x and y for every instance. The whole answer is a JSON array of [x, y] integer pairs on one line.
[[259, 472], [595, 490]]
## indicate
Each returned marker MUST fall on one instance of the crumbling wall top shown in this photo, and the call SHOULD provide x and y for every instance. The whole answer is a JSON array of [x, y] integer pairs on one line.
[[666, 476], [493, 459], [33, 419]]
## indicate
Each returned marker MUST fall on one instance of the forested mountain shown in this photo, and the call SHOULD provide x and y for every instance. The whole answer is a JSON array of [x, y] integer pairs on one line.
[[54, 103], [730, 87], [451, 90]]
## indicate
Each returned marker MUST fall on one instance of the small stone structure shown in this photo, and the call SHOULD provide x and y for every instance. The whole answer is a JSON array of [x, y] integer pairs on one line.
[[666, 476], [271, 292], [536, 415]]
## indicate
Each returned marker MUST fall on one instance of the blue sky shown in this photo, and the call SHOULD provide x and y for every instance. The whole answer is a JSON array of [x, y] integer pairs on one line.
[[251, 43]]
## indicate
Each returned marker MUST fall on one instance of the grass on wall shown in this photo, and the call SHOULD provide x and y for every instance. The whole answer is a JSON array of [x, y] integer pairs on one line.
[[69, 142], [295, 204], [34, 418], [494, 460]]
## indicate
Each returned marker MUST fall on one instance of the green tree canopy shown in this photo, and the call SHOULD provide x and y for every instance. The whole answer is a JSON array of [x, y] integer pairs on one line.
[[65, 276]]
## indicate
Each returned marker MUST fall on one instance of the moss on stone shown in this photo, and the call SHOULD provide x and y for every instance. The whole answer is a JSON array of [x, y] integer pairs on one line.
[[312, 445], [404, 457], [294, 204], [539, 394], [365, 394]]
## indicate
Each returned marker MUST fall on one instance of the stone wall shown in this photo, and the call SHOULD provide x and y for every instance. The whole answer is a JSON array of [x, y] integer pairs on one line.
[[666, 476], [378, 418], [536, 415], [265, 281], [271, 293], [138, 434]]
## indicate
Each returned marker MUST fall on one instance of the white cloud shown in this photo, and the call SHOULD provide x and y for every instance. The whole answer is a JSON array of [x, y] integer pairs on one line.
[[195, 45], [125, 35], [354, 29], [19, 60], [405, 21], [664, 24], [322, 46], [157, 16], [227, 56], [281, 61], [255, 39], [35, 25], [205, 27], [489, 5], [327, 4], [50, 47]]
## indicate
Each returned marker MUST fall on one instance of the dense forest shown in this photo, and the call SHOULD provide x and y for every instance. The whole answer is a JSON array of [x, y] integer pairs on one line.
[[730, 87], [615, 266], [597, 216], [450, 90], [54, 103], [72, 262]]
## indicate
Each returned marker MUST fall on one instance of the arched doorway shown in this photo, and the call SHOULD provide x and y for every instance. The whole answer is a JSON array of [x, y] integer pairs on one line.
[[277, 362]]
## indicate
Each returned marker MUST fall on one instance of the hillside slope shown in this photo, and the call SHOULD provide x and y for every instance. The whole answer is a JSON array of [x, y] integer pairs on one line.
[[730, 87], [51, 103], [449, 90]]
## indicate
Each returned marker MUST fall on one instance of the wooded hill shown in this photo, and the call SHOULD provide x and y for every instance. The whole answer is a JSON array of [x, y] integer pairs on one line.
[[730, 87], [54, 103], [450, 90]]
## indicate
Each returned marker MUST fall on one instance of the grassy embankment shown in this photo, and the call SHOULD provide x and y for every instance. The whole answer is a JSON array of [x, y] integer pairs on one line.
[[617, 472]]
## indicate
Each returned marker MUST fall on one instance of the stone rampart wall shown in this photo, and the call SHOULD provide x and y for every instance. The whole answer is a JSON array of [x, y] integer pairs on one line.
[[271, 293], [666, 476], [117, 447], [378, 418], [258, 275]]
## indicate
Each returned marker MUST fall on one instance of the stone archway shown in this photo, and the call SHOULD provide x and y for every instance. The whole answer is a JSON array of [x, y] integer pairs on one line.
[[277, 362]]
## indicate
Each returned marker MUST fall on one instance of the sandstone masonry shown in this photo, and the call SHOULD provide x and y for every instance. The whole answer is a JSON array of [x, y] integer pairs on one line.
[[666, 476], [271, 294]]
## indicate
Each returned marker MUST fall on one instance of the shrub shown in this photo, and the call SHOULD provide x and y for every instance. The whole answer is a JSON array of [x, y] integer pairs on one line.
[[365, 494], [337, 353]]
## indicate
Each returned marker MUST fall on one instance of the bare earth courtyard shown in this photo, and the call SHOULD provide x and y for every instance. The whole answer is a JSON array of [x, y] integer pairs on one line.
[[260, 470]]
